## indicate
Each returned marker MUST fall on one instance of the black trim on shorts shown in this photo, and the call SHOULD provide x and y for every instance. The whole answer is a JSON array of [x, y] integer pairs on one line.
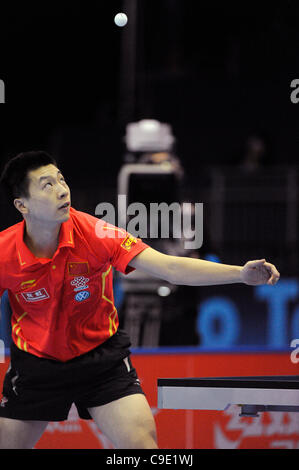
[[40, 389]]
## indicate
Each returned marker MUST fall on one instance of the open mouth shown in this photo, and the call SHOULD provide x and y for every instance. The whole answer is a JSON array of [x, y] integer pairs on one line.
[[65, 205]]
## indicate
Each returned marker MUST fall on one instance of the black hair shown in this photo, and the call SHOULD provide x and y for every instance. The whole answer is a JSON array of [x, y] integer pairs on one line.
[[14, 178]]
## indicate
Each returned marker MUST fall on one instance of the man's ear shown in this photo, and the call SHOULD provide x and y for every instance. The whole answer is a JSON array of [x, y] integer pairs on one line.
[[21, 206]]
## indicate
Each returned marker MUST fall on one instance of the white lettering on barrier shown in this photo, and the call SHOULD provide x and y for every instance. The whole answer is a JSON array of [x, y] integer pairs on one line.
[[295, 353], [280, 425]]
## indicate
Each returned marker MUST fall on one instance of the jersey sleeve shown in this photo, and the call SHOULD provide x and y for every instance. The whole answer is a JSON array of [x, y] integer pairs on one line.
[[121, 245], [110, 243]]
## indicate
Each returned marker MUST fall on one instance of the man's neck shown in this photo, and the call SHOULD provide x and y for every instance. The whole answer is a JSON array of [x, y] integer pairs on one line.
[[42, 240]]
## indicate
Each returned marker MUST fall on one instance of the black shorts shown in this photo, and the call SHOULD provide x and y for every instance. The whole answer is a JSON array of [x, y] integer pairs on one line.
[[41, 389]]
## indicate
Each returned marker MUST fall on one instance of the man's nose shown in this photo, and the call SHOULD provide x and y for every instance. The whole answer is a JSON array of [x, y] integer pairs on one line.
[[62, 192]]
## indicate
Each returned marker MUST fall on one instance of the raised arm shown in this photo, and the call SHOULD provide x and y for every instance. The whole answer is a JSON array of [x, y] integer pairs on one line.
[[196, 272]]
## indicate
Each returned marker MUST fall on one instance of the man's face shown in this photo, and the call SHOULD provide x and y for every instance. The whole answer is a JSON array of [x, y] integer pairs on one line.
[[49, 196]]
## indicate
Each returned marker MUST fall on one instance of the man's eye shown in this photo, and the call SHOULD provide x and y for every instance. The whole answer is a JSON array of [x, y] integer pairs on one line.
[[47, 184]]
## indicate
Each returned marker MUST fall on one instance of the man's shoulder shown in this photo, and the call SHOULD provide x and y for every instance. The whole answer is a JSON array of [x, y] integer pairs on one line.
[[90, 222], [83, 220], [93, 228], [9, 233], [8, 241]]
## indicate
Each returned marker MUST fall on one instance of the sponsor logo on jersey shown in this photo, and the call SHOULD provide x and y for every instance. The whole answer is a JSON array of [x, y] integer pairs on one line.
[[80, 283], [30, 283], [83, 295], [36, 296], [129, 242]]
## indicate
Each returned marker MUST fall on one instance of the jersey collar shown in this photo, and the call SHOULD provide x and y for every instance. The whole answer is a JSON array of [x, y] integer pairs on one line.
[[24, 255], [66, 235]]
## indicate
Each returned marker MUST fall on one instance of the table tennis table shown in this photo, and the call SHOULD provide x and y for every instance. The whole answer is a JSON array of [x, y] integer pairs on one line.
[[252, 394]]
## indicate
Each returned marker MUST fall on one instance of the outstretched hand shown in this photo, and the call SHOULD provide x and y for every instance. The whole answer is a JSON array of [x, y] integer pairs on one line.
[[258, 272]]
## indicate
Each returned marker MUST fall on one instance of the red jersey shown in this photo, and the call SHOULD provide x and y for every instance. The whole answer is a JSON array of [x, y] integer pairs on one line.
[[63, 307]]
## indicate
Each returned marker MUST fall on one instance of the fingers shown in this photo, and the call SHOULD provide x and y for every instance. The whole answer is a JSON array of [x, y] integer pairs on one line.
[[274, 274], [271, 274], [256, 263]]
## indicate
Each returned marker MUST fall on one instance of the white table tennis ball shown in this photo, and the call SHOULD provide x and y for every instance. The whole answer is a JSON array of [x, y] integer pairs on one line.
[[120, 19]]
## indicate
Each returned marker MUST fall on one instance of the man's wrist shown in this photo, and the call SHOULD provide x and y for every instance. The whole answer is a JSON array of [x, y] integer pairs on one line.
[[238, 273]]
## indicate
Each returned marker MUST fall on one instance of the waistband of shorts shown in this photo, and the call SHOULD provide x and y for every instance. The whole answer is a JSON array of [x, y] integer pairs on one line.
[[120, 340]]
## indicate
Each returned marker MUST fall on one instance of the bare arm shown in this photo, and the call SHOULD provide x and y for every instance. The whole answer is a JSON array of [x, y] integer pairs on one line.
[[196, 272]]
